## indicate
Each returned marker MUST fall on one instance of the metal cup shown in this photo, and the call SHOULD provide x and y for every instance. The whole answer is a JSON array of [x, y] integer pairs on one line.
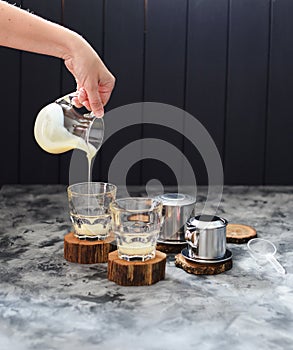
[[206, 237], [177, 208]]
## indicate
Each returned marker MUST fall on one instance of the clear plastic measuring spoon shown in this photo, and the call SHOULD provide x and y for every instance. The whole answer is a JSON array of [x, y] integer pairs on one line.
[[264, 250]]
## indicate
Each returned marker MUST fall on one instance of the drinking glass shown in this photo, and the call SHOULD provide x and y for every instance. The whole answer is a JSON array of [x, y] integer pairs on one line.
[[89, 209], [136, 224]]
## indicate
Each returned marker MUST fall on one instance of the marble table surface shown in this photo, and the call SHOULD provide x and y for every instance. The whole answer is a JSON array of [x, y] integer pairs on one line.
[[49, 303]]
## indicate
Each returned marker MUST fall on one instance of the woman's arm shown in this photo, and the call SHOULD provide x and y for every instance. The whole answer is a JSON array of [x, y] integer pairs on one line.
[[22, 30]]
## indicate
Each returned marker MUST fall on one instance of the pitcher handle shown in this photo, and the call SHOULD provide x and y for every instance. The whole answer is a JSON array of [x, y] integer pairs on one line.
[[67, 99], [192, 237]]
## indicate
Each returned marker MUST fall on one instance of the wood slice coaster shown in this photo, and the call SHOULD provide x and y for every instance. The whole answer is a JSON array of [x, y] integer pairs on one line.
[[237, 233], [170, 248], [87, 252], [136, 273], [201, 268]]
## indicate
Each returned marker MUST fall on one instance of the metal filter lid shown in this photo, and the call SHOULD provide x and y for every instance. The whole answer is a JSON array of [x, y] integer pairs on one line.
[[205, 222], [176, 199]]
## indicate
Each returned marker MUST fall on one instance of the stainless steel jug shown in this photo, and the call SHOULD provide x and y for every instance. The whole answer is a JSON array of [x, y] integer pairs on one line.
[[206, 237]]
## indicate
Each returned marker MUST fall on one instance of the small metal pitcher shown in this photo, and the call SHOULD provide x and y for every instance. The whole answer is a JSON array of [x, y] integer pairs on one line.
[[81, 122], [206, 237]]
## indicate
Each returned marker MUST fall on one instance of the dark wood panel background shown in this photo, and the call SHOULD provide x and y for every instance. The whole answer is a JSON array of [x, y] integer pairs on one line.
[[206, 72], [229, 63], [247, 76], [10, 70], [39, 85]]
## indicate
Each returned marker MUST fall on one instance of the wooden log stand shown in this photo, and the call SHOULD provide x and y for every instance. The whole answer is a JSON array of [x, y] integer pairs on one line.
[[200, 268], [170, 248], [87, 252], [136, 273], [238, 233]]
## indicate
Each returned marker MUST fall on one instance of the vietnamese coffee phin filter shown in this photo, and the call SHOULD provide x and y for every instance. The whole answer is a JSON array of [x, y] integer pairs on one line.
[[206, 237], [177, 208]]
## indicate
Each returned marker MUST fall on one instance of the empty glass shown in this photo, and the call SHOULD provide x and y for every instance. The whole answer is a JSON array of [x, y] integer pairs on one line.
[[263, 250], [89, 209], [136, 224]]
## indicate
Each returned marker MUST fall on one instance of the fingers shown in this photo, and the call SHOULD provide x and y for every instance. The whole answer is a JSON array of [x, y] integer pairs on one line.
[[76, 102], [106, 87], [95, 103], [105, 94], [83, 98], [95, 98], [91, 100]]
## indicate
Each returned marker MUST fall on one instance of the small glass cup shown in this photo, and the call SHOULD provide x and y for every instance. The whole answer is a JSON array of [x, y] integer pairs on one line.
[[136, 224], [89, 209]]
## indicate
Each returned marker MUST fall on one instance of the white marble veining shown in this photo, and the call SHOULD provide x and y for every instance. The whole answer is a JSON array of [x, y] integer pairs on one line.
[[48, 303]]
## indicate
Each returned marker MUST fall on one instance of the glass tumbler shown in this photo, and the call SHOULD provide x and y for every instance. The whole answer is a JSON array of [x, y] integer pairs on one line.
[[89, 209], [136, 224]]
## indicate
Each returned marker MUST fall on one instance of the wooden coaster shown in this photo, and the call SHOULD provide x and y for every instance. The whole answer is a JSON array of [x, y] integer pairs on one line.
[[170, 248], [202, 269], [237, 233], [87, 252], [136, 273]]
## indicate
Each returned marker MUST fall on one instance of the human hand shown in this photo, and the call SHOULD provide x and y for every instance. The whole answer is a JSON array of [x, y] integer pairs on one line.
[[94, 81], [25, 31]]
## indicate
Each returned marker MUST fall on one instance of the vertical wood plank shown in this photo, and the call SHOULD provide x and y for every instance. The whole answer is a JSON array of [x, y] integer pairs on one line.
[[123, 55], [124, 45], [9, 92], [85, 18], [247, 82], [279, 161], [40, 85], [206, 73], [165, 50]]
